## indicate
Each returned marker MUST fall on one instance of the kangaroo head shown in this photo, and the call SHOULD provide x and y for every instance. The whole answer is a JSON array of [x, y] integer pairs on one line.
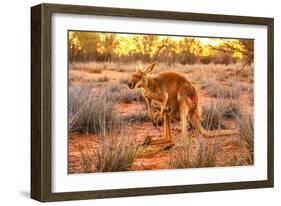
[[138, 78]]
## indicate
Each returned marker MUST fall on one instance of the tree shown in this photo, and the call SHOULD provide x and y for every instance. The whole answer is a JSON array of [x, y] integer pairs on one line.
[[108, 43], [189, 48], [242, 47], [167, 50], [83, 46]]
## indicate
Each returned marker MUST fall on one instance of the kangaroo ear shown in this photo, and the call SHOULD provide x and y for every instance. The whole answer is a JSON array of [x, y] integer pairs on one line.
[[139, 68], [150, 67]]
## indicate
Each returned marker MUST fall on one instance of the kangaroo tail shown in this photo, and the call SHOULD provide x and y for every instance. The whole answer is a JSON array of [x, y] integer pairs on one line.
[[217, 133]]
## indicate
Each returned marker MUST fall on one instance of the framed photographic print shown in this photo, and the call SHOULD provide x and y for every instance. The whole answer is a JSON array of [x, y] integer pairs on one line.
[[130, 102]]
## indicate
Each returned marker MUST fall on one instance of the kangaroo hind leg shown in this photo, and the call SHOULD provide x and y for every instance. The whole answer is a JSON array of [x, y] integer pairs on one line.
[[167, 128], [194, 117], [184, 110], [167, 134]]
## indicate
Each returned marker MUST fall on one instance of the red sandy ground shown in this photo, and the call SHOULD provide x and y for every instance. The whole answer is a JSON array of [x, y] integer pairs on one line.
[[156, 159]]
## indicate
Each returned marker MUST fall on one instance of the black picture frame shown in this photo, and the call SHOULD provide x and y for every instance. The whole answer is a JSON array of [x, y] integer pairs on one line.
[[41, 117]]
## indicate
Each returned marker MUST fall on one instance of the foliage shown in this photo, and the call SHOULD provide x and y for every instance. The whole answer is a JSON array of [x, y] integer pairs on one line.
[[91, 46], [244, 48], [107, 47]]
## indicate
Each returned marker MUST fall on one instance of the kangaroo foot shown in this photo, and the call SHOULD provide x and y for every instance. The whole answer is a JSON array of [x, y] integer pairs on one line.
[[147, 141], [150, 141], [168, 147]]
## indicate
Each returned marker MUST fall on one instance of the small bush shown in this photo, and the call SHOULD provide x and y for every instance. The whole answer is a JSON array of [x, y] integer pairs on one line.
[[206, 59], [212, 117], [231, 111], [246, 139], [89, 110], [183, 156], [244, 87], [88, 159], [217, 90], [116, 156], [205, 155], [111, 156], [214, 114], [121, 93], [113, 91], [223, 58], [180, 156]]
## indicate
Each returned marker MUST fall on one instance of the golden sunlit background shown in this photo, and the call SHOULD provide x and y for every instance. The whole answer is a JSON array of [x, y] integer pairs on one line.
[[96, 46]]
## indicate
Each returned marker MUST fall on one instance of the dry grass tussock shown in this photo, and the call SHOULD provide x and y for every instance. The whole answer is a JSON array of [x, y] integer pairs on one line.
[[246, 139], [184, 156], [214, 114], [113, 155], [217, 90], [91, 109]]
